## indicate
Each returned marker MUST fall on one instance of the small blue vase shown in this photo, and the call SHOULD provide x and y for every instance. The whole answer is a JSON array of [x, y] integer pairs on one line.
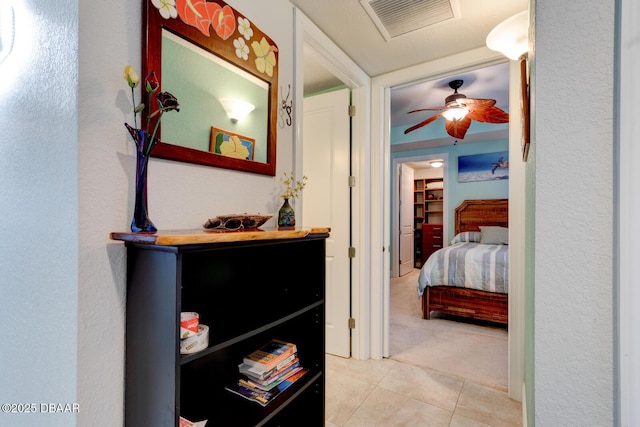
[[286, 216]]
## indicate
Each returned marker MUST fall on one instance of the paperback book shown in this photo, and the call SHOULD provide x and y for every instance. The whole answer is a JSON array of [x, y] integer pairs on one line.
[[264, 397], [270, 356], [259, 373], [259, 396], [268, 385], [272, 376]]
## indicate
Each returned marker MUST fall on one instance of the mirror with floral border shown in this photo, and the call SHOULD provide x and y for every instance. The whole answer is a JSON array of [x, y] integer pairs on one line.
[[207, 53]]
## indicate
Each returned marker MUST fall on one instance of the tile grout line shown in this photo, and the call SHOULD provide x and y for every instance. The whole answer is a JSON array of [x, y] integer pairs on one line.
[[455, 408], [360, 404]]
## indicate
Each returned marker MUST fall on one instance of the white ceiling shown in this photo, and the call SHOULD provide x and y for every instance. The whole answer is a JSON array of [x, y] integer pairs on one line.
[[349, 26]]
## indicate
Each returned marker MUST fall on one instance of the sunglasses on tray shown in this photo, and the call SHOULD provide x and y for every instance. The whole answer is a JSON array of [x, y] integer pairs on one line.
[[231, 224]]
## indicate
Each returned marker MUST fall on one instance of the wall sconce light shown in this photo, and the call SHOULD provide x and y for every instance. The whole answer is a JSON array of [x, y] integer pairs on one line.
[[436, 163], [236, 109], [6, 29], [511, 38]]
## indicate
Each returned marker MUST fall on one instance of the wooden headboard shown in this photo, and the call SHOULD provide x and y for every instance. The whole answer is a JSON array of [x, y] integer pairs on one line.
[[471, 214]]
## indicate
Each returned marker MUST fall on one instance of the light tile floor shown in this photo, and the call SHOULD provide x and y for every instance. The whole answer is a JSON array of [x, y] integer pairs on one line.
[[440, 373]]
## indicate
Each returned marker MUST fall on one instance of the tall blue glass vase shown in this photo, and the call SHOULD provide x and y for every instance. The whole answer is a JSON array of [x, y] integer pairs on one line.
[[141, 222]]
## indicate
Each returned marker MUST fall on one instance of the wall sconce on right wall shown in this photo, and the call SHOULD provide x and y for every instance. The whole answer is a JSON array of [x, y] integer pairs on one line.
[[511, 38]]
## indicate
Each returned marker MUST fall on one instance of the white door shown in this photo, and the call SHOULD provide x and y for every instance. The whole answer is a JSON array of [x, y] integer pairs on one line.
[[326, 161], [406, 219]]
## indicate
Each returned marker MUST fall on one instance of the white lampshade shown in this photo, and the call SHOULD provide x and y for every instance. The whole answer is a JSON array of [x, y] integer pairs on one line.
[[236, 109], [436, 163], [511, 36], [454, 113]]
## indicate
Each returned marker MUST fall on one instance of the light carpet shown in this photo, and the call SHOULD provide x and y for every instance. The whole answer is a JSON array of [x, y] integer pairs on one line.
[[473, 351]]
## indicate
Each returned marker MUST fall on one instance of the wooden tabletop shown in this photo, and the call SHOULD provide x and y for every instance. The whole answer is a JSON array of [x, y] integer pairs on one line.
[[192, 237]]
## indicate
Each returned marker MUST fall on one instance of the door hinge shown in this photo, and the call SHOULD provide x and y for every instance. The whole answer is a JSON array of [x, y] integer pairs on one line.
[[352, 252], [352, 323], [352, 110], [352, 181]]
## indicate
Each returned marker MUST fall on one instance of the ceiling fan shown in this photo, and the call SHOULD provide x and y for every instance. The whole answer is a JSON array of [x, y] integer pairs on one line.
[[459, 111]]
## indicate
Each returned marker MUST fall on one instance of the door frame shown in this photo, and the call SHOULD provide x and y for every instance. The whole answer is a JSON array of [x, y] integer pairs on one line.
[[306, 33], [628, 209], [380, 191], [395, 204]]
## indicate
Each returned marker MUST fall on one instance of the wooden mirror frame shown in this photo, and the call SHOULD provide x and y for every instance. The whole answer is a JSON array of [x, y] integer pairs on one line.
[[207, 39]]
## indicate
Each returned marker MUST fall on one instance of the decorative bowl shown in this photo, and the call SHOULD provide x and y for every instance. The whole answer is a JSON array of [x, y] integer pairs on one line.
[[249, 221]]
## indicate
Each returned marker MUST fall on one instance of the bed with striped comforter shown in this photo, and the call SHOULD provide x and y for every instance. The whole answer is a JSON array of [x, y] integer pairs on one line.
[[467, 265]]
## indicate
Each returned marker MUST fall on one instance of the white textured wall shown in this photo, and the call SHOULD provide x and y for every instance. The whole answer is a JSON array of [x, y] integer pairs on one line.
[[66, 176], [574, 88], [180, 195], [38, 214]]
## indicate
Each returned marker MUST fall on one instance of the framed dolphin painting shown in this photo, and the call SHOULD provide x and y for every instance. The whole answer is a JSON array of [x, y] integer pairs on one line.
[[483, 167]]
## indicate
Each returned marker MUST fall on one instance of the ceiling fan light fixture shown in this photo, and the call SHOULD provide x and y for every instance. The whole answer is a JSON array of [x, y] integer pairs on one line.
[[511, 36], [436, 163], [455, 113]]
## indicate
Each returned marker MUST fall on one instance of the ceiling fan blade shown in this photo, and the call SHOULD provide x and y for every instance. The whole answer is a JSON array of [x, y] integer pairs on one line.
[[473, 103], [489, 115], [422, 123], [428, 109], [458, 128]]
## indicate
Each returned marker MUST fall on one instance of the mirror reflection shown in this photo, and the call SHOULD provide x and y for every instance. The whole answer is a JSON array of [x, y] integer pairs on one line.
[[205, 83]]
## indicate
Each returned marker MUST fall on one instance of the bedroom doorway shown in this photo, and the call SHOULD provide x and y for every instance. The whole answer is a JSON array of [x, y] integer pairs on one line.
[[381, 191], [440, 344]]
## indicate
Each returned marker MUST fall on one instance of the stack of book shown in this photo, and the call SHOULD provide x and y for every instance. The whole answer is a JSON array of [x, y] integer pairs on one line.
[[268, 371]]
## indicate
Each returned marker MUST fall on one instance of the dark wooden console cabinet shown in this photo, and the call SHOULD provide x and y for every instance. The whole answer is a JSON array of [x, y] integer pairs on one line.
[[247, 292]]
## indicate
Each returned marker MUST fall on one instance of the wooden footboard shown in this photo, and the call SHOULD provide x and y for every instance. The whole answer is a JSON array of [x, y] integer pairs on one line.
[[466, 303]]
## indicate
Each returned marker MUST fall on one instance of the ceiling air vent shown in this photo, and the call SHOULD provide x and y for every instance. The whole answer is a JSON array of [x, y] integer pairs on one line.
[[396, 17]]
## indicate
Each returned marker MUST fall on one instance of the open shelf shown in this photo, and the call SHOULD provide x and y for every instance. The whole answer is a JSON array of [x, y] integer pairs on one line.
[[247, 293]]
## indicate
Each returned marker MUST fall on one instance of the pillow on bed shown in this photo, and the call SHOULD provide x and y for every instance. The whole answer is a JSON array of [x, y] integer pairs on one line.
[[467, 236], [492, 235]]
